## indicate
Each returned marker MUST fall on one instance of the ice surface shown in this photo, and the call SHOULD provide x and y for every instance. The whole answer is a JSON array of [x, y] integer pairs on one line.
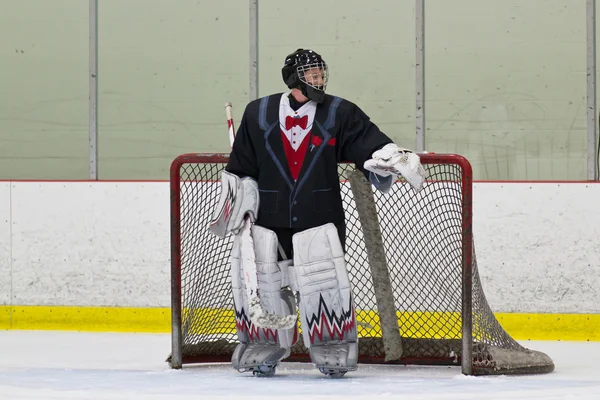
[[77, 365]]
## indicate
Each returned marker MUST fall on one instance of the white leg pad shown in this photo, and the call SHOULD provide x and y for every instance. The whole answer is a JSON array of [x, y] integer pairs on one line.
[[319, 274], [275, 296]]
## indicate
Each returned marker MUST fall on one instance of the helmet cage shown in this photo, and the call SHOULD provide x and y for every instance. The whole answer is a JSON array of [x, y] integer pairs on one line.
[[314, 75]]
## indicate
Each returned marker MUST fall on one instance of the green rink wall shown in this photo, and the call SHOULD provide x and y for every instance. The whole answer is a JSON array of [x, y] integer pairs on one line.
[[505, 80]]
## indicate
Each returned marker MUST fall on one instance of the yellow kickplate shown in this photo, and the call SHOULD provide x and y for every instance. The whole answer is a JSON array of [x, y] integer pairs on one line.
[[576, 327]]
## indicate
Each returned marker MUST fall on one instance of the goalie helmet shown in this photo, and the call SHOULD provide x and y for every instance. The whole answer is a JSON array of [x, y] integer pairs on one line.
[[307, 71]]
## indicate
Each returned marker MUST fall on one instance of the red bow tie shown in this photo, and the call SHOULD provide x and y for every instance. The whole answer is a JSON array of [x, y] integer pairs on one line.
[[290, 122]]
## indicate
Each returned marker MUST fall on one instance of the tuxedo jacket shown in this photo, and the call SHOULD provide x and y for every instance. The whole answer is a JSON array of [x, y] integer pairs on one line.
[[310, 196]]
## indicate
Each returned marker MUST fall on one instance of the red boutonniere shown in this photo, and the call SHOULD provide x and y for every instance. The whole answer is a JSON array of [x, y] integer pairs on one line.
[[316, 141]]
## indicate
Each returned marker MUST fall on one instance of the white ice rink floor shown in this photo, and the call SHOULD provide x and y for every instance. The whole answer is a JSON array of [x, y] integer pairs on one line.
[[72, 365]]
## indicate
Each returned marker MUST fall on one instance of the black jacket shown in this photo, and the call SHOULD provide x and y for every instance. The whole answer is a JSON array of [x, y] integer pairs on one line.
[[341, 132]]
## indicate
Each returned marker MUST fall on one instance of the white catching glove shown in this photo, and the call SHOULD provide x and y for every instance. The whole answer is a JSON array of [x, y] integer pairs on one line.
[[393, 160]]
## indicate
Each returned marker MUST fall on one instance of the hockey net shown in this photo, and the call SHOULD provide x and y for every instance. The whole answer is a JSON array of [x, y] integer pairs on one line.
[[429, 278]]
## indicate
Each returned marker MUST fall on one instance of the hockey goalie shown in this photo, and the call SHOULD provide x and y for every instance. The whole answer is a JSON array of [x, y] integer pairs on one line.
[[280, 197]]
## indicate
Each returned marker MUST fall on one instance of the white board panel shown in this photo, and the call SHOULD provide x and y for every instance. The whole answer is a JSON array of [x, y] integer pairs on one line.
[[538, 246], [91, 244], [107, 244], [5, 244]]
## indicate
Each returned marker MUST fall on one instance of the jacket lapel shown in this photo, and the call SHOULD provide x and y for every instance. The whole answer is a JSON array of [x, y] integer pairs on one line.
[[275, 149], [268, 120]]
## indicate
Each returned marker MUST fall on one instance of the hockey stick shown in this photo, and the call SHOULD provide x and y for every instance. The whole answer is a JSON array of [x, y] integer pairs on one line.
[[384, 295], [230, 128], [257, 314]]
